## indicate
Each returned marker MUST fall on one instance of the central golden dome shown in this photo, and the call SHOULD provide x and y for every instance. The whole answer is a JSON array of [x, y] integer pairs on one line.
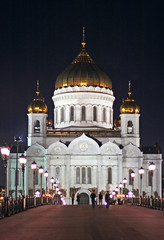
[[83, 71]]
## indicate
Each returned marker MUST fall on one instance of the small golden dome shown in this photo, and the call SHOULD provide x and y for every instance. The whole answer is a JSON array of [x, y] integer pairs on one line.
[[83, 71], [129, 106], [38, 105], [49, 122]]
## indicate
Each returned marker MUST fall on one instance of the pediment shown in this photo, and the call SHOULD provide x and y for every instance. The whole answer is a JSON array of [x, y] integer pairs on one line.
[[83, 145]]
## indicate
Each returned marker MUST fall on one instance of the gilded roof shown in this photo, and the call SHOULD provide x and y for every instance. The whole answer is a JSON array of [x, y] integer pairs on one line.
[[83, 71], [37, 105], [129, 106]]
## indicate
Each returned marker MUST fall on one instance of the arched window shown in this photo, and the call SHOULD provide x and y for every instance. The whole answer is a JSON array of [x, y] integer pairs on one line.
[[36, 177], [83, 175], [72, 114], [130, 178], [62, 114], [130, 127], [88, 175], [37, 126], [109, 175], [17, 177], [83, 113], [57, 174], [94, 114], [104, 115], [149, 179], [56, 115], [77, 175]]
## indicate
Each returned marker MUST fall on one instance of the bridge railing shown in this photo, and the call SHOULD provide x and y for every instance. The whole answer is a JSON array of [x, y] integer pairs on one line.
[[149, 202], [10, 206]]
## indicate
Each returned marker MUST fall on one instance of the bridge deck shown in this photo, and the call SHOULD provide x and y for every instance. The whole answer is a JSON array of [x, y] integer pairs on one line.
[[82, 222]]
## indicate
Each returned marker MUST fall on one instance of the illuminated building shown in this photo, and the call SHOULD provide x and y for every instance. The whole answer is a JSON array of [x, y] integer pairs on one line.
[[83, 150]]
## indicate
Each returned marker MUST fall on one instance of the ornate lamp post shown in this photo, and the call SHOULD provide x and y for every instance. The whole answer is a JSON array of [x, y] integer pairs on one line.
[[5, 153], [124, 182], [151, 170], [120, 186], [141, 172], [132, 177], [41, 174], [46, 176], [52, 180], [33, 167], [23, 161]]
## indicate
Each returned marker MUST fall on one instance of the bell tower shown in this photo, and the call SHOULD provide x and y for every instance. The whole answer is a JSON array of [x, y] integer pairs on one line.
[[37, 116], [129, 115]]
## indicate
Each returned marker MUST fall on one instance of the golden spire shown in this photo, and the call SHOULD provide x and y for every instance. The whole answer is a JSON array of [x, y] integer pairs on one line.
[[83, 42], [129, 93], [37, 91]]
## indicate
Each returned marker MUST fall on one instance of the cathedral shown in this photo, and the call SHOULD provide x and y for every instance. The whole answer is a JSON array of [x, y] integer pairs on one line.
[[83, 148]]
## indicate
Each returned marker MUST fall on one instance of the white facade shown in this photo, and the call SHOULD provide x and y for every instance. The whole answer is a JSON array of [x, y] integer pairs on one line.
[[83, 152]]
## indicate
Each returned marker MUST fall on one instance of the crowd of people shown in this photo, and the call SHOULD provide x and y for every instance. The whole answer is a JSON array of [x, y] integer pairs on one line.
[[94, 199]]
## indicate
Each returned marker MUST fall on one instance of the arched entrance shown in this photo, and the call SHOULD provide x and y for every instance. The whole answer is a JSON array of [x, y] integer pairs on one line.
[[84, 198]]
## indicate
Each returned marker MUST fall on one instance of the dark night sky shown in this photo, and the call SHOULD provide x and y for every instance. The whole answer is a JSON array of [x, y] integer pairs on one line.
[[38, 39]]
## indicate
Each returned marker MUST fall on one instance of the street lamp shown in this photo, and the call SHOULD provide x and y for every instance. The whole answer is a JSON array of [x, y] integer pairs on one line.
[[33, 167], [46, 176], [17, 140], [116, 190], [151, 170], [41, 170], [23, 161], [141, 172], [124, 182], [132, 177], [52, 180], [120, 186], [5, 153]]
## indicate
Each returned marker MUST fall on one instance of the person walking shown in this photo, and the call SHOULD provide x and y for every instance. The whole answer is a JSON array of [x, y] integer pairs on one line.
[[107, 199], [93, 196], [78, 199], [73, 197], [100, 199]]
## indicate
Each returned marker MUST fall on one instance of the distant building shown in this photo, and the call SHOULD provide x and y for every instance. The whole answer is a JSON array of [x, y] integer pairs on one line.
[[84, 150]]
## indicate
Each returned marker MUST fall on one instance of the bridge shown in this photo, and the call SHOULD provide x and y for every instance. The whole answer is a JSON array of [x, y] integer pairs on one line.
[[79, 222]]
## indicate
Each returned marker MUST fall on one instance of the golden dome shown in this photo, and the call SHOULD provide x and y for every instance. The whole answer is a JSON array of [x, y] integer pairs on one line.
[[38, 105], [83, 71], [129, 106]]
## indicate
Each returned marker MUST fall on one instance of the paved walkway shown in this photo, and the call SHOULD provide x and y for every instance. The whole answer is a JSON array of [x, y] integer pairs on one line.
[[84, 223]]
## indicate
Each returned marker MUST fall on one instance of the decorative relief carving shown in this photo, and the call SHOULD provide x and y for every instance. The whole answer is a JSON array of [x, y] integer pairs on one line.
[[109, 150], [57, 149], [36, 151], [130, 152], [83, 146]]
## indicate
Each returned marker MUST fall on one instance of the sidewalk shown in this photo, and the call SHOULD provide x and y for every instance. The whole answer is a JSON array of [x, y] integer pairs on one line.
[[84, 223]]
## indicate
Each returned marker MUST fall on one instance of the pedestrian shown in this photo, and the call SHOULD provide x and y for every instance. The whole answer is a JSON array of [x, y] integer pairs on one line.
[[93, 196], [107, 199], [100, 199], [73, 197], [78, 199]]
